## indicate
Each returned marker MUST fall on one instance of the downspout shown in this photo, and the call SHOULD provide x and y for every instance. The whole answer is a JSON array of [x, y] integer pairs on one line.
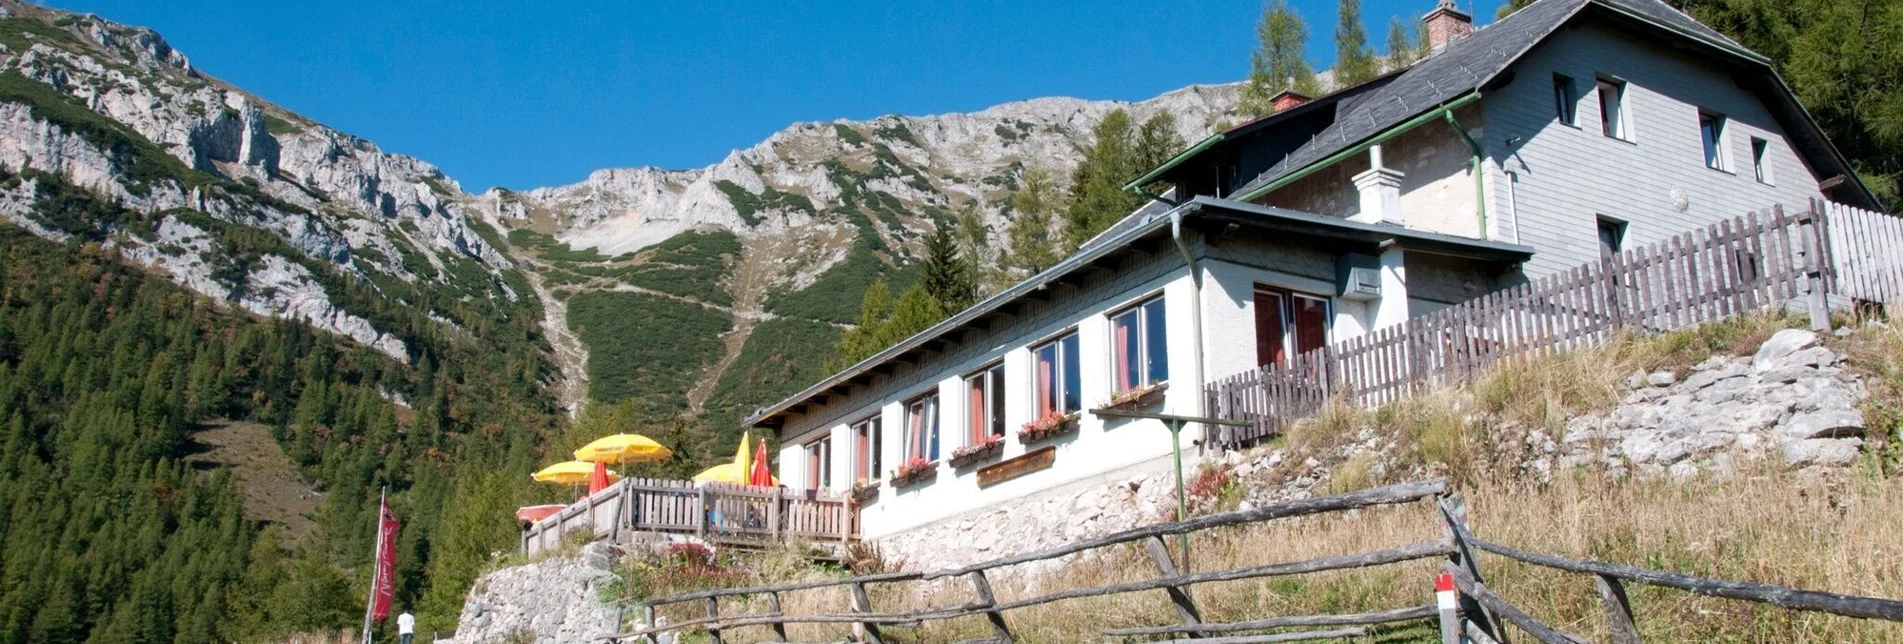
[[1195, 313], [1480, 186]]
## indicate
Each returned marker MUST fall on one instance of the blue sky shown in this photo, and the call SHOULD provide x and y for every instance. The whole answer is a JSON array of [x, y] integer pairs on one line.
[[526, 94]]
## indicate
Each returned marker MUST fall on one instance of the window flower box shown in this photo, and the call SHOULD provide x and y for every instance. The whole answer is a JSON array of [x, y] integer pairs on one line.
[[978, 452], [865, 492], [1051, 425], [1137, 398], [914, 472]]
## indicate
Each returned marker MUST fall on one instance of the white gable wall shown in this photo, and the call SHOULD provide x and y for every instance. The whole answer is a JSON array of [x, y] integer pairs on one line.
[[1567, 176]]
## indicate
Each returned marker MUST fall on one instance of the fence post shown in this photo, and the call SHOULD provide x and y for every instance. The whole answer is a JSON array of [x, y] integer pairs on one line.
[[1618, 610], [861, 603], [713, 613], [1814, 298], [982, 587], [1448, 600], [1453, 511], [779, 628], [701, 512], [1179, 595], [647, 618], [773, 519]]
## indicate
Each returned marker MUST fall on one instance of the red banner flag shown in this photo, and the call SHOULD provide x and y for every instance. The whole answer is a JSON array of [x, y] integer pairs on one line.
[[385, 589]]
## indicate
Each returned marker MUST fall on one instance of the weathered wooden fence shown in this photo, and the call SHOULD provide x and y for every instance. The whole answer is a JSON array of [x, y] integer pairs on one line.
[[1477, 616], [729, 514], [1722, 271]]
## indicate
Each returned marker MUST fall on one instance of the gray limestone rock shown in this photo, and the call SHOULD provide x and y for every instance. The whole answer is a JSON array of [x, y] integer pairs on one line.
[[1782, 343]]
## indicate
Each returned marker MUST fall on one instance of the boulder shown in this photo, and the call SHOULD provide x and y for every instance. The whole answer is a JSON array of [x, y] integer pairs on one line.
[[1822, 451], [1833, 422], [1782, 343]]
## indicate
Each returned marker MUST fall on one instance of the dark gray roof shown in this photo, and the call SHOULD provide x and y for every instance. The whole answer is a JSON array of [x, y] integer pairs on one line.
[[1468, 64]]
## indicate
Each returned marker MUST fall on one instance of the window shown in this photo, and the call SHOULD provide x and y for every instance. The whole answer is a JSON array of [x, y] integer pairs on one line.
[[1565, 102], [984, 415], [1287, 324], [867, 441], [1711, 131], [1140, 352], [819, 464], [1612, 114], [1761, 160], [921, 428], [1059, 385], [1611, 236]]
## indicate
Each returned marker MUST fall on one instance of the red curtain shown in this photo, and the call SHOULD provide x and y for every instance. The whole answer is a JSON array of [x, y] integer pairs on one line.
[[1269, 328], [975, 422], [1123, 352], [1045, 389]]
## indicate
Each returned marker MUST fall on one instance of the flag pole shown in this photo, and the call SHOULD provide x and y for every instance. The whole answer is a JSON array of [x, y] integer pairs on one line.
[[376, 571]]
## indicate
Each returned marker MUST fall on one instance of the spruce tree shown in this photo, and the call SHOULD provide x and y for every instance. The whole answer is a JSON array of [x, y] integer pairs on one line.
[[868, 333], [1279, 62], [1401, 51], [947, 273], [1354, 60], [1029, 247]]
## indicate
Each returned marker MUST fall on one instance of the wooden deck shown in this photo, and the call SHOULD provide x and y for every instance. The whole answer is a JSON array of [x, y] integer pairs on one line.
[[734, 515]]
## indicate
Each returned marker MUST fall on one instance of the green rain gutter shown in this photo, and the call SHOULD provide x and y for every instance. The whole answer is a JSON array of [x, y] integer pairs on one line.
[[1151, 176], [1430, 116], [1480, 186]]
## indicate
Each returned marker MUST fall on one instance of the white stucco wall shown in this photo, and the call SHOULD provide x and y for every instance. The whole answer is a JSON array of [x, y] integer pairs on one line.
[[1097, 447], [1569, 175], [1437, 186]]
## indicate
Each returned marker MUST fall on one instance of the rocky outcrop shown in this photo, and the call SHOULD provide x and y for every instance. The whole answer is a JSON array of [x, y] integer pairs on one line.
[[556, 600], [942, 161], [1792, 400], [327, 194]]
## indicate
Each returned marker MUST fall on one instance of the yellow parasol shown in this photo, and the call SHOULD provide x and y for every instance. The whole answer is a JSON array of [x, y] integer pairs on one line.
[[622, 448], [743, 458], [570, 473], [725, 473]]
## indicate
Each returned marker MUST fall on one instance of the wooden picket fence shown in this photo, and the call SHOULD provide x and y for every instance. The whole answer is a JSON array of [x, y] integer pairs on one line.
[[1722, 271], [725, 514], [1475, 614]]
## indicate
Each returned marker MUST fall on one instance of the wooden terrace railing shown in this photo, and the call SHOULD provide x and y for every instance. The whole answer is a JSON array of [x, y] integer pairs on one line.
[[722, 513]]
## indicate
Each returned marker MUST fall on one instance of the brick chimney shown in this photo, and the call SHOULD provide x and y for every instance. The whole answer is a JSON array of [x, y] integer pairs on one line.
[[1447, 23], [1287, 99]]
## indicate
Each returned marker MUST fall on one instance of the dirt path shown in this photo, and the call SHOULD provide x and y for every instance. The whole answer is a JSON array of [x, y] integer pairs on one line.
[[273, 490]]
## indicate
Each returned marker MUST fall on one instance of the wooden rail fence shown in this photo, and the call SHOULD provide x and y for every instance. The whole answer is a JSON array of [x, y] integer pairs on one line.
[[1479, 616], [1722, 271], [723, 513]]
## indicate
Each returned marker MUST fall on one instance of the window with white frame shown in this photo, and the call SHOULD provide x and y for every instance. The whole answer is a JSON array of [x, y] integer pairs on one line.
[[819, 464], [1614, 118], [1711, 133], [921, 428], [1059, 384], [866, 445], [1139, 346], [1288, 324], [984, 404], [1761, 160]]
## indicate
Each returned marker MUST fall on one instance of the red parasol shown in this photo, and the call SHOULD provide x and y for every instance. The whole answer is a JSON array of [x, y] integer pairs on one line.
[[599, 480], [762, 474]]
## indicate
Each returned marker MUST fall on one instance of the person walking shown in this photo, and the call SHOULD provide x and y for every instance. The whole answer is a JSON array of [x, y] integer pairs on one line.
[[405, 627]]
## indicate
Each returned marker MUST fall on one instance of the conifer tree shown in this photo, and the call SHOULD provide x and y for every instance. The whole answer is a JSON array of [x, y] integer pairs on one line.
[[1354, 60], [1401, 50], [1029, 247], [946, 273], [1280, 62]]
